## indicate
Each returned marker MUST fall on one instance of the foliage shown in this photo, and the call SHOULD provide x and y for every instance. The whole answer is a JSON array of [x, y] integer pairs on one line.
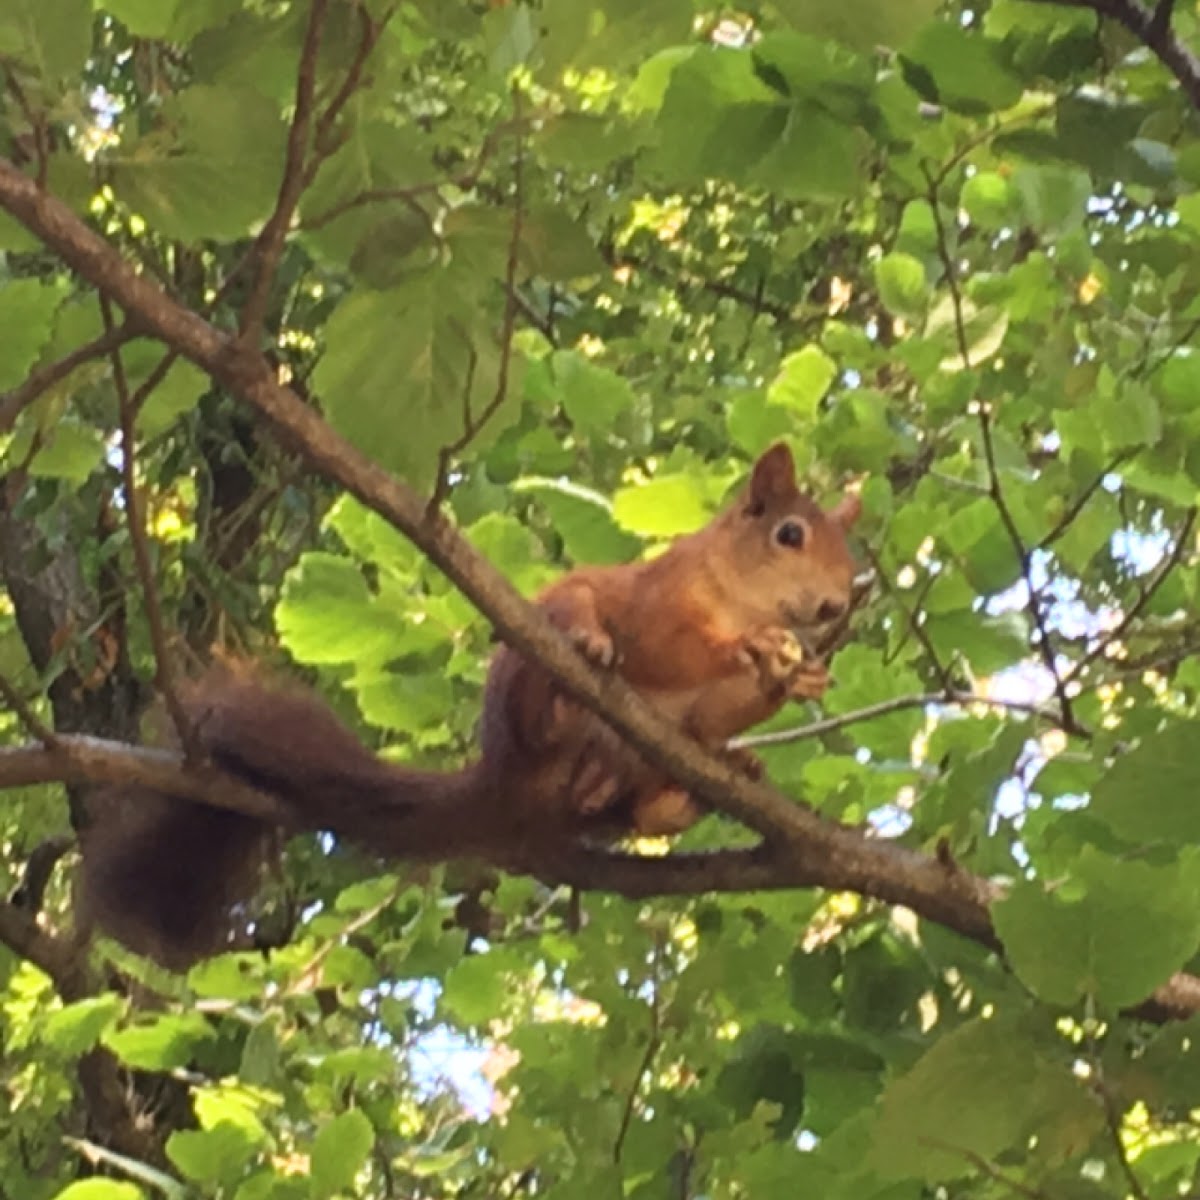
[[567, 267]]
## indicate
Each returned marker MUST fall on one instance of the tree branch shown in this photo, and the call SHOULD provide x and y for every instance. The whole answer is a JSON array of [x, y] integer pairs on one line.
[[809, 849], [939, 892], [268, 248], [28, 718], [13, 403], [1169, 563], [1152, 27], [472, 425], [1023, 554], [951, 697], [1080, 502], [136, 522]]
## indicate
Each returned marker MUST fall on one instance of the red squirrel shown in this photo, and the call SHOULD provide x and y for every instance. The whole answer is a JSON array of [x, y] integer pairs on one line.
[[706, 632]]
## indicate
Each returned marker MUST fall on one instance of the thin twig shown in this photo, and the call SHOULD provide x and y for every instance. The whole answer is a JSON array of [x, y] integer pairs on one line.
[[305, 978], [163, 675], [268, 248], [324, 142], [1168, 564], [949, 270], [1080, 502], [913, 621], [41, 380], [1045, 646], [1112, 1115], [989, 1169], [950, 698], [37, 125], [28, 717], [472, 425], [653, 1045], [407, 195]]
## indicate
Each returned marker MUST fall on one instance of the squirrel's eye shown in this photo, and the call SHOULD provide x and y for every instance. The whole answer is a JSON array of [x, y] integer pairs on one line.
[[791, 534]]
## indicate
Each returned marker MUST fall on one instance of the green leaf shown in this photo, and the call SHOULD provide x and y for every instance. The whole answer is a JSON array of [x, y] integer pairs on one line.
[[214, 1155], [160, 1043], [339, 1152], [966, 69], [479, 988], [990, 200], [402, 365], [665, 506], [865, 25], [754, 422], [1053, 197], [808, 154], [863, 680], [510, 36], [228, 976], [50, 38], [326, 614], [144, 18], [557, 247], [27, 309], [261, 1058], [77, 1027], [69, 451], [371, 538], [180, 184], [608, 33], [989, 644], [100, 1189], [1114, 931], [179, 392], [975, 1092], [902, 286], [983, 330], [804, 378], [1127, 417], [583, 519], [592, 396], [1149, 793]]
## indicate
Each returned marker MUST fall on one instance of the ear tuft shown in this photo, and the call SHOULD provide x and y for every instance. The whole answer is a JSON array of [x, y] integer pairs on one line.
[[847, 510], [774, 476]]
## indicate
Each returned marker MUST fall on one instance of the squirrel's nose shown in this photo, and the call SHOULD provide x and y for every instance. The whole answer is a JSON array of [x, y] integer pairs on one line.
[[830, 610]]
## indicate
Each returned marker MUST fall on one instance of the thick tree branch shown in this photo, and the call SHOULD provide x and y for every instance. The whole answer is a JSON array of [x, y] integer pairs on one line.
[[77, 758], [804, 847], [885, 871]]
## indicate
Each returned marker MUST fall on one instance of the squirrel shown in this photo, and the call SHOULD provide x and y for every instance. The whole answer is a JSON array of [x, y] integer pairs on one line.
[[707, 632]]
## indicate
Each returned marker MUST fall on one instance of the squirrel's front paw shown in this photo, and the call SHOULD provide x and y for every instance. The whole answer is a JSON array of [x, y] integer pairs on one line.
[[778, 657], [594, 644], [811, 682]]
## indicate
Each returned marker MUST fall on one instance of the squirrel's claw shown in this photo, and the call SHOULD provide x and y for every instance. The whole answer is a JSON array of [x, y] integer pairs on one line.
[[594, 644]]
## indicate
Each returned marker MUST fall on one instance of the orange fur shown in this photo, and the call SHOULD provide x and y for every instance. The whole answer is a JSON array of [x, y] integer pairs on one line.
[[706, 632]]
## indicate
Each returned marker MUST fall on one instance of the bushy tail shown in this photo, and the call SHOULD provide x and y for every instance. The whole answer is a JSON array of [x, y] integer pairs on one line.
[[169, 878]]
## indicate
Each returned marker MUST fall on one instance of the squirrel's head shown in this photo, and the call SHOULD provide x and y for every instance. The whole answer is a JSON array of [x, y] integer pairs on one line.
[[791, 554]]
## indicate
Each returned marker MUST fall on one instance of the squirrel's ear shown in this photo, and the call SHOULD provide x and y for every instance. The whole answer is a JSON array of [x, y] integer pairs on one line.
[[774, 476], [847, 510]]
